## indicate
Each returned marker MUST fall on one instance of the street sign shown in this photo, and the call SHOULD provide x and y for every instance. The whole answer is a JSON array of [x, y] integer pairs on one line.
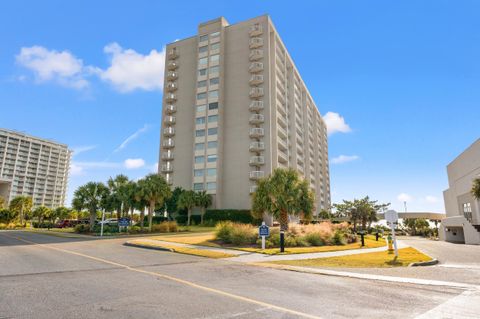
[[124, 222], [391, 216], [264, 230]]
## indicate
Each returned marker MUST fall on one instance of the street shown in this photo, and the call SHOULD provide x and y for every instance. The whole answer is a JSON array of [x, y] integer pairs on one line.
[[45, 276]]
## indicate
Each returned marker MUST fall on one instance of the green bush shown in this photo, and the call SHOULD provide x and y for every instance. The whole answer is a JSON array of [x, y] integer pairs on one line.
[[233, 215], [159, 219], [182, 219], [223, 231], [165, 227], [236, 233], [82, 228], [134, 229], [339, 238], [314, 239], [3, 226]]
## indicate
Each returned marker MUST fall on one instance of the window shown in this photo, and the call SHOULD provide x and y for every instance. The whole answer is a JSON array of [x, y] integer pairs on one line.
[[202, 84], [198, 172], [215, 34], [211, 171], [198, 186], [202, 72], [203, 61], [201, 108], [212, 158], [199, 146], [203, 49], [201, 96], [212, 118], [215, 46], [199, 159], [213, 106], [213, 94], [200, 120], [212, 131], [214, 58], [212, 144], [214, 69], [211, 186], [199, 133], [214, 81], [203, 38]]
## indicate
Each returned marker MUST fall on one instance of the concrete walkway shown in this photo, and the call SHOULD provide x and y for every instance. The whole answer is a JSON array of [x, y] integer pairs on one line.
[[252, 257]]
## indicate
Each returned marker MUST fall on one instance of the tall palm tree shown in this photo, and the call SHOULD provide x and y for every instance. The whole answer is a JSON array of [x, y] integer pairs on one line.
[[91, 197], [21, 206], [154, 190], [118, 196], [41, 212], [476, 188], [187, 200], [203, 200], [61, 212]]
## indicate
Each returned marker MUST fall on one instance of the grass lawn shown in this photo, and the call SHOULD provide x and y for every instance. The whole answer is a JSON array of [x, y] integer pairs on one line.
[[381, 259], [184, 250]]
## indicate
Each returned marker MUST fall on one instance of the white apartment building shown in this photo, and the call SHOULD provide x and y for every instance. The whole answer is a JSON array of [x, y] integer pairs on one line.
[[34, 167], [235, 108]]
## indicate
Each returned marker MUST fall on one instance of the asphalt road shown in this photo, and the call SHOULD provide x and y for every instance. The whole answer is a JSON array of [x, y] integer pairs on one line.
[[44, 276]]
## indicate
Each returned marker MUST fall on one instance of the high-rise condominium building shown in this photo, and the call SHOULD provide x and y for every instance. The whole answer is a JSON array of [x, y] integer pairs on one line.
[[33, 167], [234, 109]]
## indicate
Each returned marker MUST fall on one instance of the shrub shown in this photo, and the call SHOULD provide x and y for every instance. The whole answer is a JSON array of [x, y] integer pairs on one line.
[[159, 219], [3, 226], [134, 229], [82, 228], [314, 239], [182, 219], [243, 234], [233, 215], [223, 231], [339, 238]]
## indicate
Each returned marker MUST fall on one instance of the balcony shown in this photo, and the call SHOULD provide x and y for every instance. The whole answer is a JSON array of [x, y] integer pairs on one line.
[[169, 131], [257, 119], [170, 97], [282, 145], [257, 146], [256, 106], [281, 132], [172, 86], [257, 160], [256, 54], [169, 120], [170, 109], [256, 79], [256, 67], [169, 178], [167, 156], [172, 75], [168, 143], [257, 132], [255, 30], [253, 189], [172, 65], [255, 175], [256, 92], [173, 54], [167, 168], [282, 157], [256, 43]]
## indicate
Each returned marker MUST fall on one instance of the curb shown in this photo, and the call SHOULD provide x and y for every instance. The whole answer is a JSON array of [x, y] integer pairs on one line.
[[148, 247], [424, 263]]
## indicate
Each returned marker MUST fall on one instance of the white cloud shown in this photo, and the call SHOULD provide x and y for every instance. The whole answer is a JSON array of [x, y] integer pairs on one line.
[[336, 123], [103, 164], [344, 159], [133, 163], [50, 65], [132, 137], [130, 70], [81, 149], [404, 197], [431, 199], [75, 170]]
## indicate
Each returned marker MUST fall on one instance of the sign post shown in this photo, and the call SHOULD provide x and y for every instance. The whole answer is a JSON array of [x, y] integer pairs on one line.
[[101, 226], [392, 218], [263, 231]]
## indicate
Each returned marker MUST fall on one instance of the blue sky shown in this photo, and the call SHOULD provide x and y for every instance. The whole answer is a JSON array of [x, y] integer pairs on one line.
[[404, 77]]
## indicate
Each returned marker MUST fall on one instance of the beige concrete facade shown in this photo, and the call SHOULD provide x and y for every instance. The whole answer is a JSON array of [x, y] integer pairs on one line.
[[463, 211], [33, 167], [234, 109]]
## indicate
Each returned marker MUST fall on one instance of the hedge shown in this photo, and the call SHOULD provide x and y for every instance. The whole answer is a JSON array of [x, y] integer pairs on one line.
[[234, 215]]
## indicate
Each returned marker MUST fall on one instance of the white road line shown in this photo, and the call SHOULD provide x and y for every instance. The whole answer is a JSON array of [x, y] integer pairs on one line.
[[464, 306]]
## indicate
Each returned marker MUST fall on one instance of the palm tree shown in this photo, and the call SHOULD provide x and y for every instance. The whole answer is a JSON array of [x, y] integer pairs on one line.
[[91, 197], [187, 200], [476, 188], [2, 202], [154, 190], [282, 194], [61, 212], [118, 196], [21, 205], [41, 212], [203, 200]]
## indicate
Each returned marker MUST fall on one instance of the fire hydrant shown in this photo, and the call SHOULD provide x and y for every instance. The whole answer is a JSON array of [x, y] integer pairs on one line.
[[390, 244]]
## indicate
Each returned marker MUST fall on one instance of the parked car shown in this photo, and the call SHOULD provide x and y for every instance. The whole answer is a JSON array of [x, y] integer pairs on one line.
[[71, 222], [109, 222]]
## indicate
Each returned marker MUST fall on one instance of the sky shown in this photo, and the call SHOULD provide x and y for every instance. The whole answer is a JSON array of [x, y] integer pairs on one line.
[[398, 83]]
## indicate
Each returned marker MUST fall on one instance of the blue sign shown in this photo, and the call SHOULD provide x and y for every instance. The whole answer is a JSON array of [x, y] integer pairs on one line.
[[124, 222], [263, 230]]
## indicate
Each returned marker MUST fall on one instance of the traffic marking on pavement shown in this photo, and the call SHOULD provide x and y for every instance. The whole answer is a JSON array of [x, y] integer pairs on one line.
[[171, 278], [464, 306]]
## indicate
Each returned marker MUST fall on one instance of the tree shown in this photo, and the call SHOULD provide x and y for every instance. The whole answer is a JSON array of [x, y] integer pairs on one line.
[[173, 200], [2, 202], [476, 188], [41, 213], [61, 213], [283, 194], [363, 211], [21, 206], [91, 197], [118, 196], [154, 190], [203, 200], [187, 200]]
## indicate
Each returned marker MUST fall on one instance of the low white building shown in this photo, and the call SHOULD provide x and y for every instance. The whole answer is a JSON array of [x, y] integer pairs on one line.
[[462, 224]]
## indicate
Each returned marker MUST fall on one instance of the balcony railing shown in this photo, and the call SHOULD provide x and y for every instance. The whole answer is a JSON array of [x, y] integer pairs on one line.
[[256, 67], [169, 178], [170, 98], [253, 189], [172, 86], [256, 54], [254, 175], [168, 143], [257, 146], [170, 120], [282, 157], [255, 30], [172, 75], [167, 168], [256, 106], [257, 160], [167, 156], [169, 131], [256, 43], [256, 92], [172, 65], [257, 119], [170, 109], [257, 132], [256, 79], [173, 54]]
